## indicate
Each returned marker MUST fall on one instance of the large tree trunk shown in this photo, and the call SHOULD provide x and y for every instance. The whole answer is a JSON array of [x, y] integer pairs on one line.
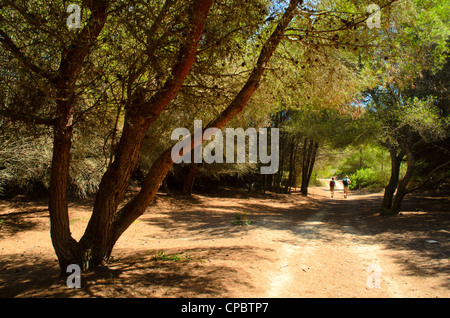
[[63, 243], [303, 188], [98, 238], [95, 245], [137, 206], [72, 59], [389, 190], [402, 186], [106, 225]]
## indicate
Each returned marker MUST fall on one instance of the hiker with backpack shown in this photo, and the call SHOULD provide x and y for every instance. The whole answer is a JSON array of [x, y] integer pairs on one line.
[[346, 182], [332, 184]]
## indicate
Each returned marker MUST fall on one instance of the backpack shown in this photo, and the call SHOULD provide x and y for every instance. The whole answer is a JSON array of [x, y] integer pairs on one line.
[[345, 181], [332, 183]]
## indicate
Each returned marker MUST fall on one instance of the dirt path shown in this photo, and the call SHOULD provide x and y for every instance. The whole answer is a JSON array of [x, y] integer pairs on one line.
[[332, 255], [296, 246], [326, 261]]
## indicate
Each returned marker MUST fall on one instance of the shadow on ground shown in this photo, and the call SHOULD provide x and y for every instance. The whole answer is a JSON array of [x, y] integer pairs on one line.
[[190, 273], [142, 273], [420, 233]]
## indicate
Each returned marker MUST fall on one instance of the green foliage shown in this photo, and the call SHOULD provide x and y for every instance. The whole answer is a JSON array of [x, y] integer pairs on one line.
[[179, 257], [241, 219], [364, 156], [321, 64], [368, 166], [424, 118], [368, 178]]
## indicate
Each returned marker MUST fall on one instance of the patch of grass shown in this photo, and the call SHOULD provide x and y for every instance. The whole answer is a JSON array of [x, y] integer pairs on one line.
[[241, 219], [179, 257], [73, 220]]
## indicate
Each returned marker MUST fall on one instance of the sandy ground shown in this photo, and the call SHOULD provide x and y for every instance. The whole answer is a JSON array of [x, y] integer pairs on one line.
[[295, 247]]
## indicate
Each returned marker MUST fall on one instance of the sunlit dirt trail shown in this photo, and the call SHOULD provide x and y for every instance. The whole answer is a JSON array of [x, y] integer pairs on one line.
[[329, 259]]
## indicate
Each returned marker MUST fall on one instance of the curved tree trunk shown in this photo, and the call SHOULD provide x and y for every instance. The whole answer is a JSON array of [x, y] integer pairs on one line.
[[402, 189], [137, 206], [65, 246], [389, 190], [95, 245], [392, 203], [106, 225]]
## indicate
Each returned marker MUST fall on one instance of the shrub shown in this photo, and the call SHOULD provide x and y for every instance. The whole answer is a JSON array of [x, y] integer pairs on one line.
[[241, 219], [367, 178]]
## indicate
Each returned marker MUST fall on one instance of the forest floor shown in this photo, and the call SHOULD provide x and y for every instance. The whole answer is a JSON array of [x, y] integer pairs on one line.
[[295, 246]]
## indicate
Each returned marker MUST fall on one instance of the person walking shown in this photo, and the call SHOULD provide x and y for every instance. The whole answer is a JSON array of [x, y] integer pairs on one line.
[[346, 182], [332, 185]]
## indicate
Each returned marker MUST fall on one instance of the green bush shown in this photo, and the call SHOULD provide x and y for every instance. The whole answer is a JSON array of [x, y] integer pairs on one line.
[[241, 219], [367, 178]]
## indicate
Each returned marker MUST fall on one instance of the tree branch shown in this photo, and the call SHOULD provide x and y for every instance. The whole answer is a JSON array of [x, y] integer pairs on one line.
[[268, 49], [136, 207], [159, 101], [73, 57], [6, 41], [104, 221]]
